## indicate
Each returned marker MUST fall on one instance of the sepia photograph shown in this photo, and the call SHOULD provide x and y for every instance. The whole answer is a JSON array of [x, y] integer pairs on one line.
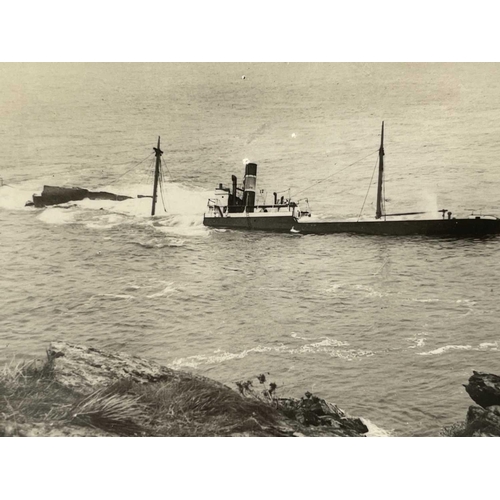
[[210, 247]]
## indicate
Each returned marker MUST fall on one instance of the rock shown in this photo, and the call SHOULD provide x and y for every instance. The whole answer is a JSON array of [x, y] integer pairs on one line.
[[495, 409], [482, 422], [83, 391], [312, 411], [484, 389], [56, 429], [85, 369], [454, 430]]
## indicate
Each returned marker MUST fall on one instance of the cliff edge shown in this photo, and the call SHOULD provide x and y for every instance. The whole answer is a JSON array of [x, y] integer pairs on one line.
[[83, 391]]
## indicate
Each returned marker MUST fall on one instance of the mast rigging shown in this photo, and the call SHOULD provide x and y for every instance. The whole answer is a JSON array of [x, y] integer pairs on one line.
[[158, 153], [378, 214]]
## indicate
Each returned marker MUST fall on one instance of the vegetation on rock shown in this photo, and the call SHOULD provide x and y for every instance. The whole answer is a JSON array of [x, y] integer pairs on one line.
[[83, 391]]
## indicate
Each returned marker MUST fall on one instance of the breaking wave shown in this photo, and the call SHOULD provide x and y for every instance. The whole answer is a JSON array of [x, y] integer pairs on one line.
[[179, 212], [168, 290], [15, 197], [331, 347], [491, 346]]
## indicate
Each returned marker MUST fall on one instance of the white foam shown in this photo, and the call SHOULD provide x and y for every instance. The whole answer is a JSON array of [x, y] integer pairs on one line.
[[326, 346], [346, 287], [350, 354], [168, 290], [492, 346], [466, 302], [334, 288], [327, 342], [370, 292], [112, 296], [417, 343], [446, 348], [182, 225], [15, 198], [428, 201], [374, 430], [176, 243], [217, 357], [486, 345], [183, 216], [297, 336], [57, 216]]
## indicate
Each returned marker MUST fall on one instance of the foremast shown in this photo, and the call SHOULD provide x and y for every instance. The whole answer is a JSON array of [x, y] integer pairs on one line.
[[378, 214], [158, 153]]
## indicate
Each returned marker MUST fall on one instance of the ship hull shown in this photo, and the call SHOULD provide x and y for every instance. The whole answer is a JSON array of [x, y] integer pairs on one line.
[[55, 195], [434, 227], [276, 224]]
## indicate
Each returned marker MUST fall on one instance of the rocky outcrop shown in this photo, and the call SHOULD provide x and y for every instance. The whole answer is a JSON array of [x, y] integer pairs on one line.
[[44, 429], [85, 369], [83, 391], [484, 389], [313, 413], [483, 420]]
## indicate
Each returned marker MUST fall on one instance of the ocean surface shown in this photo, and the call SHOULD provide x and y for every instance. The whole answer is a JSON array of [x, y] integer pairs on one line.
[[387, 328]]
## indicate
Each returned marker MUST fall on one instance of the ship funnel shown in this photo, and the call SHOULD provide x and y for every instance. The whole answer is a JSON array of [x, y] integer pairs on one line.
[[250, 184], [234, 198], [235, 184]]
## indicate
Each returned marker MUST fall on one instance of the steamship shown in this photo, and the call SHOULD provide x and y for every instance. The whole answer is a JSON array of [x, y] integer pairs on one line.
[[235, 208], [398, 224]]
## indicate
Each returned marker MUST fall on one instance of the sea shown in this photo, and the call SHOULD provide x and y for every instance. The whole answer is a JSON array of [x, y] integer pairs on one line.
[[388, 328]]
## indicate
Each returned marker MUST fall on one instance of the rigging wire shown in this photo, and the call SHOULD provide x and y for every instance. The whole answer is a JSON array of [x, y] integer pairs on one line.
[[148, 175], [63, 170], [151, 171], [162, 187], [135, 166], [335, 173], [168, 170], [144, 178], [383, 196], [368, 190], [138, 148]]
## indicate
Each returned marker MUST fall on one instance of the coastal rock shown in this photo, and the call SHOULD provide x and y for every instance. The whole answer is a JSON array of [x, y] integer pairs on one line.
[[84, 391], [483, 420], [43, 429], [85, 369], [484, 389], [313, 413]]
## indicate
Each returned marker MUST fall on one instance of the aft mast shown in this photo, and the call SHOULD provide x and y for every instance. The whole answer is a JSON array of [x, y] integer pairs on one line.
[[158, 152], [378, 214]]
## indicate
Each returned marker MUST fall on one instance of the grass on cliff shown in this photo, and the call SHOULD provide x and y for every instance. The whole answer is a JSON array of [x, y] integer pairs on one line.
[[28, 393], [194, 407]]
